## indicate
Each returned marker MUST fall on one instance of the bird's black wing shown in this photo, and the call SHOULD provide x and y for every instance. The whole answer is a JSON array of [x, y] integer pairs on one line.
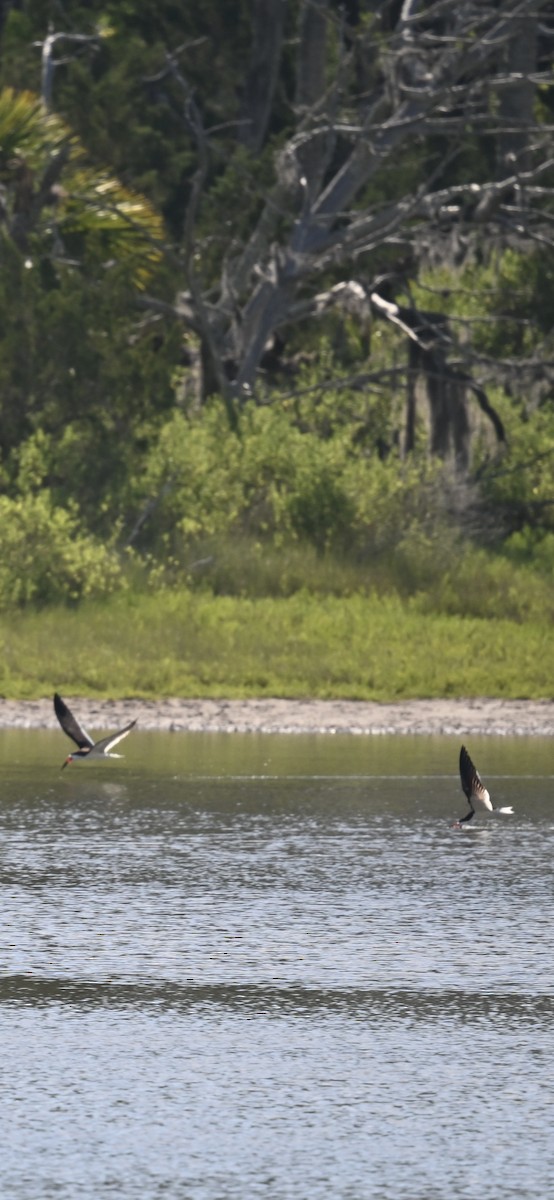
[[466, 771], [70, 726], [472, 783]]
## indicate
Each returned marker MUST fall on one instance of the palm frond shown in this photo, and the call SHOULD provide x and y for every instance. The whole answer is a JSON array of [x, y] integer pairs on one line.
[[122, 222], [25, 126]]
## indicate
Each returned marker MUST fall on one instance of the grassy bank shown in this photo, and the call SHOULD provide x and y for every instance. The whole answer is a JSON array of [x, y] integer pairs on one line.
[[190, 644]]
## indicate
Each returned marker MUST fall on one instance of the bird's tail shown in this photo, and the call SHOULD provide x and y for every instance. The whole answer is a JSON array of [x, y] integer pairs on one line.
[[509, 810]]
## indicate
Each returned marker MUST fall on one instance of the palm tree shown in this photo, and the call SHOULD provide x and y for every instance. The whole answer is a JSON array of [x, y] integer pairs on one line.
[[54, 204]]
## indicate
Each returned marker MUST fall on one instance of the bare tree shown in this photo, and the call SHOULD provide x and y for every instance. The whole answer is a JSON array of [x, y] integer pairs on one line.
[[443, 70], [261, 77], [418, 81], [517, 97]]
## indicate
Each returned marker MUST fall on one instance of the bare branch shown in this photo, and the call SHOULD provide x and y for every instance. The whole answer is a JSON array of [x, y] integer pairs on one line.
[[49, 62], [444, 78], [193, 121]]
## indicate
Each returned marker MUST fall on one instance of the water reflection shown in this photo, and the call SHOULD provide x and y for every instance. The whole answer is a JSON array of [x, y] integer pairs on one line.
[[377, 1005]]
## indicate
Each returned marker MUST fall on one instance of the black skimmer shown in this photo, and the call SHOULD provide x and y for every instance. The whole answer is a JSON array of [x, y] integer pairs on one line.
[[475, 790], [86, 748]]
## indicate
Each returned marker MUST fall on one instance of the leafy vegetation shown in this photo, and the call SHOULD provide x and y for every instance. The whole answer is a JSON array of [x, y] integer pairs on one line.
[[214, 396], [194, 644], [45, 558]]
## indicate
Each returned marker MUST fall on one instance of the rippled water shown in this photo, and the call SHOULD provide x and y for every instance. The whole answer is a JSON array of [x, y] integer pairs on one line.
[[247, 966]]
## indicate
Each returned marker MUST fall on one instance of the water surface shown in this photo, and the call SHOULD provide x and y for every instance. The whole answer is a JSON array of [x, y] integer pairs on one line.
[[248, 965]]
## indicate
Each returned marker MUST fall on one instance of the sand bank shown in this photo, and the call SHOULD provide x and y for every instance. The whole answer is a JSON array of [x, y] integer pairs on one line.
[[460, 718]]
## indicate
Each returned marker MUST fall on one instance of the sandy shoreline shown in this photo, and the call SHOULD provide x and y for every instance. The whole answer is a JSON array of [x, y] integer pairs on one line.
[[456, 717]]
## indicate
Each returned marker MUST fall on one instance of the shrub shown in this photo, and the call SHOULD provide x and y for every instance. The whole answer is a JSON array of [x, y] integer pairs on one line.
[[488, 586], [274, 480], [534, 548], [519, 489], [45, 558]]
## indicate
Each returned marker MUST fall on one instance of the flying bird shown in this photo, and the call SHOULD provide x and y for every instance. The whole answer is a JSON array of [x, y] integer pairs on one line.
[[86, 748], [475, 790]]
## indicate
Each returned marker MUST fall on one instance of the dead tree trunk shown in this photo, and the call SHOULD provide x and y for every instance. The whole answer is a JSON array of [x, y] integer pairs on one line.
[[431, 72], [437, 394], [268, 18], [517, 95]]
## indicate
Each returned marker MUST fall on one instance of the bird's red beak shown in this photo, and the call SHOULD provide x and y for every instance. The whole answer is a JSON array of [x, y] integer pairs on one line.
[[69, 759]]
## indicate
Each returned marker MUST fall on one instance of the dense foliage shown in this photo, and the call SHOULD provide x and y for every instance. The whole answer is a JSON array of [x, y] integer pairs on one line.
[[128, 452]]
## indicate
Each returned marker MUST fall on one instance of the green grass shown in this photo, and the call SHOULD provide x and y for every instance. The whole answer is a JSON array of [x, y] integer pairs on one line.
[[194, 644]]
